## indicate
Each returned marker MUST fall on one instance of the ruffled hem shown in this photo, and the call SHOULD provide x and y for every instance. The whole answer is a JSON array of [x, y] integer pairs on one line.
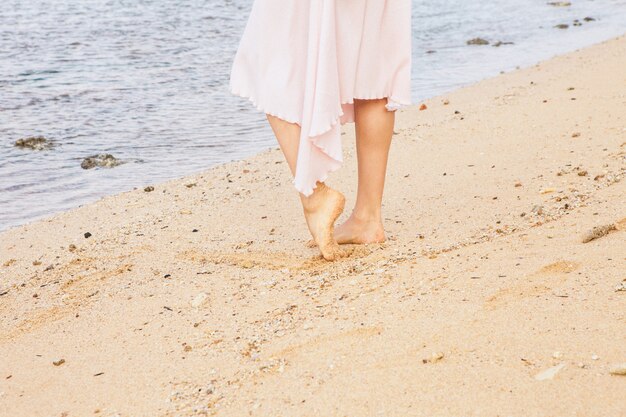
[[309, 190], [393, 104], [264, 108]]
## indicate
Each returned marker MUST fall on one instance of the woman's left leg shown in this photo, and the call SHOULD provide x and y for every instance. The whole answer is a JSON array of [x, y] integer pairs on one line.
[[374, 130]]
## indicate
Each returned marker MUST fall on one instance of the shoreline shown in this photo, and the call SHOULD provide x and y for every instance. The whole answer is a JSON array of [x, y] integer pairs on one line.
[[201, 298]]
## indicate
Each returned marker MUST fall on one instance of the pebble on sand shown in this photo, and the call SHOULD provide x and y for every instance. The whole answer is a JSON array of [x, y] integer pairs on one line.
[[149, 188], [9, 262], [598, 232], [199, 300], [434, 357], [105, 160], [58, 362], [247, 264], [619, 369], [36, 143]]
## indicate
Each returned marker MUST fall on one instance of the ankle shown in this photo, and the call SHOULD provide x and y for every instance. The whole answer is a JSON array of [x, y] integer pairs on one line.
[[367, 217], [311, 203]]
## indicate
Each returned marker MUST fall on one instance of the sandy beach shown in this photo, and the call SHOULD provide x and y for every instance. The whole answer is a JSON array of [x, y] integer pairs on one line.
[[501, 290]]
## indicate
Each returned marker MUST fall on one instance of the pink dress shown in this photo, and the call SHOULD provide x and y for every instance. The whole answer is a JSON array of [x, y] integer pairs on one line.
[[305, 61]]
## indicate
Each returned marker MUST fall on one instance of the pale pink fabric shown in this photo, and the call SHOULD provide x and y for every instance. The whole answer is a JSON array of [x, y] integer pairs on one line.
[[305, 61]]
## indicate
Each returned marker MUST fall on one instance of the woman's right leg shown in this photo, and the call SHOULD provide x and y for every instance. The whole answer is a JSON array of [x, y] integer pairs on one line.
[[321, 208]]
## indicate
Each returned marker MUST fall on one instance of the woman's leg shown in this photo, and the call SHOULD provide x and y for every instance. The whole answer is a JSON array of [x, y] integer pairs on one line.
[[321, 208], [374, 129]]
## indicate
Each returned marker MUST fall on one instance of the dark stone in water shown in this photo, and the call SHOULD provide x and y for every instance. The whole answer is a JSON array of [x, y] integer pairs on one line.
[[500, 43], [589, 19], [478, 41], [562, 26], [560, 3], [105, 160], [37, 143]]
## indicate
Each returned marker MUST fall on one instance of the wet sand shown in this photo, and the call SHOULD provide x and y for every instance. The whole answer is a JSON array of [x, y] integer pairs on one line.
[[201, 297]]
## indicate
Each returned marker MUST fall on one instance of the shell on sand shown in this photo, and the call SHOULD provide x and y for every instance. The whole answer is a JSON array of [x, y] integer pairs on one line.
[[549, 373]]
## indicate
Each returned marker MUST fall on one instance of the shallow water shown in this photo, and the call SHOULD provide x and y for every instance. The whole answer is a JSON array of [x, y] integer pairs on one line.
[[147, 81]]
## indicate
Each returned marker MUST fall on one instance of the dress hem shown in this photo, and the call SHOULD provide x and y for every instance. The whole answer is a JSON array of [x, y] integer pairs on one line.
[[393, 104]]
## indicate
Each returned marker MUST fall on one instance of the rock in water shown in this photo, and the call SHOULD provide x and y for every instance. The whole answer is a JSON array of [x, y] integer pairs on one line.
[[478, 41], [560, 3], [37, 143], [105, 160]]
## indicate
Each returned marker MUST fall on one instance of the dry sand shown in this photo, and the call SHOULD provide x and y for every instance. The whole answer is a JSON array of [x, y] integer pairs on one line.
[[484, 284]]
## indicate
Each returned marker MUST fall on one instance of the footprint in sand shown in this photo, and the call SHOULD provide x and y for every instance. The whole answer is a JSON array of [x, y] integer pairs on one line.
[[544, 280], [272, 261], [323, 343]]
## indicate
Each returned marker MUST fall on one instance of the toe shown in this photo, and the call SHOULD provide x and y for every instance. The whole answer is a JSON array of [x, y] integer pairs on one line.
[[331, 251], [342, 253]]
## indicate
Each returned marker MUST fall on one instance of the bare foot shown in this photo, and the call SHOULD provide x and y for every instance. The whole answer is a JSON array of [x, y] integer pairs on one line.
[[321, 210], [360, 232], [357, 232]]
